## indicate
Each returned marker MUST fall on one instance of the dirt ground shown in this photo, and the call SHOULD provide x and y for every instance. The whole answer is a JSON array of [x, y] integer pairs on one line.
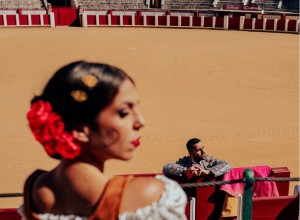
[[237, 91]]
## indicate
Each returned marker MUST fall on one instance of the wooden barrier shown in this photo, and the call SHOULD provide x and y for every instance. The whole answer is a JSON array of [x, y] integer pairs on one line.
[[209, 200], [276, 208], [185, 19], [64, 16], [9, 214], [26, 18]]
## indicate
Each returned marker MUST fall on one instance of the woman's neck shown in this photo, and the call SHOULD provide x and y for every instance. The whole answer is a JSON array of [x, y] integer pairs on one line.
[[84, 161]]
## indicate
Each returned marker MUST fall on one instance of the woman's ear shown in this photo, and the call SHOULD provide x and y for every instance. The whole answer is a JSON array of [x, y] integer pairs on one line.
[[82, 134]]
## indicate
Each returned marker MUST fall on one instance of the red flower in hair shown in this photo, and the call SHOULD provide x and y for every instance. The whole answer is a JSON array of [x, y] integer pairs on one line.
[[48, 129]]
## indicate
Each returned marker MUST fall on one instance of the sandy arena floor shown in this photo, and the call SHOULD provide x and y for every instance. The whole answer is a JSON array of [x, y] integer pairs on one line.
[[237, 91]]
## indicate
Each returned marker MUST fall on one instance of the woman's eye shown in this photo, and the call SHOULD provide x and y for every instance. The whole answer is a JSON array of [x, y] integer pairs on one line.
[[123, 113]]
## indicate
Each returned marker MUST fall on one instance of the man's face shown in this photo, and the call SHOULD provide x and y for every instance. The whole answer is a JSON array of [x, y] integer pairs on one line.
[[198, 152]]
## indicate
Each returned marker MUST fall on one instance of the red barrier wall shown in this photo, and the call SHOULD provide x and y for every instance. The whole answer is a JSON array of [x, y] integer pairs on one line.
[[185, 21], [282, 187], [115, 20], [23, 19], [162, 20], [208, 22], [234, 23], [150, 20], [103, 20], [65, 16], [197, 21], [138, 20], [270, 25], [127, 20], [35, 20], [91, 19], [46, 19], [280, 25], [220, 22], [279, 208], [292, 25], [259, 24], [248, 23], [11, 20], [173, 21], [9, 214]]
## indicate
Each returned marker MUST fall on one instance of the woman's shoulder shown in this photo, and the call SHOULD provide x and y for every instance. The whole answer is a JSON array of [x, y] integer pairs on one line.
[[153, 196], [140, 192]]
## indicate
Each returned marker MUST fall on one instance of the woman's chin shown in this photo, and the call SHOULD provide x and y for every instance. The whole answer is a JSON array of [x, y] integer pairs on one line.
[[126, 157]]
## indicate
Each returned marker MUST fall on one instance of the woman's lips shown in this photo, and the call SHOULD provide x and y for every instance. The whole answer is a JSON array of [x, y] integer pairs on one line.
[[136, 142]]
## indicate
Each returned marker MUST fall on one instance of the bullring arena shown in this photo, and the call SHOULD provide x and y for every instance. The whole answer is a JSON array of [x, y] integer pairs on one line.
[[236, 90]]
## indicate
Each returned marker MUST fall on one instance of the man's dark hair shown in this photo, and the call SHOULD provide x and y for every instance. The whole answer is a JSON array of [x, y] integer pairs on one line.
[[191, 142]]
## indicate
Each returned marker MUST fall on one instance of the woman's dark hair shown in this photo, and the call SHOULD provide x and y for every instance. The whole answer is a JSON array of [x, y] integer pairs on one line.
[[80, 90], [191, 142]]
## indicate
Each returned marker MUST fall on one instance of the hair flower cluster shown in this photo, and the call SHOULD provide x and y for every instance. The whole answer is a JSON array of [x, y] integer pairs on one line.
[[48, 129]]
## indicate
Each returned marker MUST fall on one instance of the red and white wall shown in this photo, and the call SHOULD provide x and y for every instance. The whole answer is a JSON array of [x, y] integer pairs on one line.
[[76, 17], [15, 18], [185, 19]]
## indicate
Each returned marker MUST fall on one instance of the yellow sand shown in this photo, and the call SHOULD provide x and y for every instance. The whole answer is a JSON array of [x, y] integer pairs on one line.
[[237, 91]]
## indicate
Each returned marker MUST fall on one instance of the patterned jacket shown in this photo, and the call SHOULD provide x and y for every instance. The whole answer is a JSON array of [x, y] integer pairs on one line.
[[216, 166]]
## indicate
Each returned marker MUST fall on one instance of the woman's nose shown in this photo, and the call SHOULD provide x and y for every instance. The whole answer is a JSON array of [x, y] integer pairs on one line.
[[139, 121]]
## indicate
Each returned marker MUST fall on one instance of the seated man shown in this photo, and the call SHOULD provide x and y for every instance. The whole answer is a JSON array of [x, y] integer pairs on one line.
[[197, 163]]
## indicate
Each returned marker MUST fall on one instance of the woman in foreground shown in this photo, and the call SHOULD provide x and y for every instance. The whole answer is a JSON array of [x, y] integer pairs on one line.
[[88, 113]]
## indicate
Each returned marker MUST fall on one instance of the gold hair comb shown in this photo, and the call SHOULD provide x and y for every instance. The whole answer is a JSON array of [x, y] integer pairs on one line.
[[89, 80], [79, 95]]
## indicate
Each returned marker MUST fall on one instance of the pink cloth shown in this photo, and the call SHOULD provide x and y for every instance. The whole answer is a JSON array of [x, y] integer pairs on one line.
[[260, 189]]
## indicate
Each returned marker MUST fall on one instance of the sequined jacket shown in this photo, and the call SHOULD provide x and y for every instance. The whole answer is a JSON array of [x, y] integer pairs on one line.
[[216, 166]]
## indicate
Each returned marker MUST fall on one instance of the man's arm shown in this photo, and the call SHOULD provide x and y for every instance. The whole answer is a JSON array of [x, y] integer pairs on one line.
[[179, 168], [220, 167], [174, 169]]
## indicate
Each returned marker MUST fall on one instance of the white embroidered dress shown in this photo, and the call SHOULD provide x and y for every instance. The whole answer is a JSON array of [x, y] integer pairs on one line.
[[171, 205]]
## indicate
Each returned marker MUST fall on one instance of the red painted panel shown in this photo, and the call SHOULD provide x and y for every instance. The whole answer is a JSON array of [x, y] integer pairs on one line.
[[138, 20], [185, 21], [115, 20], [292, 25], [248, 24], [11, 20], [187, 210], [65, 16], [46, 19], [259, 24], [270, 25], [127, 20], [204, 201], [150, 20], [208, 22], [35, 20], [23, 19], [282, 187], [197, 21], [9, 214], [280, 25], [234, 23], [279, 208], [1, 20], [162, 20], [220, 22], [91, 19], [173, 21], [103, 20]]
